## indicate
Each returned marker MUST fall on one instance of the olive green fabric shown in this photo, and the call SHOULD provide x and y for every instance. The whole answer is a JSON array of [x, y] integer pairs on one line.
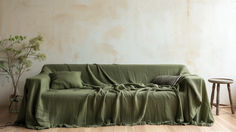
[[66, 79], [115, 95], [166, 80]]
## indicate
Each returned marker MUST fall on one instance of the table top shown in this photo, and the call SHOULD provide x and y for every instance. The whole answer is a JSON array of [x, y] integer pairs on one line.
[[221, 80]]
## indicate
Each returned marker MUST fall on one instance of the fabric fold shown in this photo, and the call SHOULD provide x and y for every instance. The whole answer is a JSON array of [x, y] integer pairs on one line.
[[115, 95]]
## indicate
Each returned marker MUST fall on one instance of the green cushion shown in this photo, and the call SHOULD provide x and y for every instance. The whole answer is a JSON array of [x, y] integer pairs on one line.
[[66, 79], [166, 80]]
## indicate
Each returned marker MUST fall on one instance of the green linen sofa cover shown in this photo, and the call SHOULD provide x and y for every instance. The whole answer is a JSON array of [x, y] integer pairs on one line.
[[115, 94]]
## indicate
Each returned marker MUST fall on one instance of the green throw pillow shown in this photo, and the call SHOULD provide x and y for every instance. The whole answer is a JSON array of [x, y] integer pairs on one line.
[[66, 79], [166, 80]]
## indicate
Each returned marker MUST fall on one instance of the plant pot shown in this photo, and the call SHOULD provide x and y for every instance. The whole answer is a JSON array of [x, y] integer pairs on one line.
[[14, 103]]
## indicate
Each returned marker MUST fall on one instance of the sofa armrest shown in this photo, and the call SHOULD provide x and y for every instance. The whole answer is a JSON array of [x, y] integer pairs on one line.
[[194, 93], [40, 81], [34, 87], [194, 84], [190, 79]]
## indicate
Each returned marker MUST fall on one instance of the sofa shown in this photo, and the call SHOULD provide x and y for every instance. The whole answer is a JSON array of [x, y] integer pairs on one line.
[[114, 94]]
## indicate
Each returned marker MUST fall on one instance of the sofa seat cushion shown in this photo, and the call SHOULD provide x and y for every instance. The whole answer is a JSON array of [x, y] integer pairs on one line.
[[83, 107]]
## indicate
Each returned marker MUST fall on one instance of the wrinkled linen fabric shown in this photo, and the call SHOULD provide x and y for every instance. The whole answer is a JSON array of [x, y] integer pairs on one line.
[[115, 95]]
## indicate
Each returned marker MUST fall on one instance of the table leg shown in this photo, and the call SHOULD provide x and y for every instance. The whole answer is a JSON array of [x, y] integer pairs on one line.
[[212, 94], [230, 98], [217, 99]]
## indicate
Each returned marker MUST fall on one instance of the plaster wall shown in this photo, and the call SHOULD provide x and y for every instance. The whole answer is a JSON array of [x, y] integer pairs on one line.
[[197, 33]]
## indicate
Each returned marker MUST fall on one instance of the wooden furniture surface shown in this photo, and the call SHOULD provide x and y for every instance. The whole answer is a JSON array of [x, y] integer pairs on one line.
[[221, 80], [217, 82]]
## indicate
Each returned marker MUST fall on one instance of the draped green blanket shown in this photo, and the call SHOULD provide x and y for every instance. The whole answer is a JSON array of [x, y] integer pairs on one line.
[[115, 95]]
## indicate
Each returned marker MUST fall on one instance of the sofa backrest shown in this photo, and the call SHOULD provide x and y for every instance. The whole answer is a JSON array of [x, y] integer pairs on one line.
[[121, 73]]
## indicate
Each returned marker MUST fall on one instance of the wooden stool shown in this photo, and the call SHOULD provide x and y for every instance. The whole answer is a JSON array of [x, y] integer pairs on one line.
[[219, 81]]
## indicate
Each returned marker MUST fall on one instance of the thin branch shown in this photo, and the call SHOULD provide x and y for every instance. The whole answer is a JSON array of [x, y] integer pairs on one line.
[[4, 69], [21, 72]]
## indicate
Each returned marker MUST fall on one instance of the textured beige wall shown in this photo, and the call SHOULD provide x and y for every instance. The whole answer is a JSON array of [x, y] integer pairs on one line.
[[198, 33]]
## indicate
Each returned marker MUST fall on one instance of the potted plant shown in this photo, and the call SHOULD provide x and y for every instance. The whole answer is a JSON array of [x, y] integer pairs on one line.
[[17, 54]]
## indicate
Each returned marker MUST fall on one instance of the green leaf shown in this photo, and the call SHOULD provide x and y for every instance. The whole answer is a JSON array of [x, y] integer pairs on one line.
[[28, 63], [21, 38], [10, 38], [8, 49], [1, 63]]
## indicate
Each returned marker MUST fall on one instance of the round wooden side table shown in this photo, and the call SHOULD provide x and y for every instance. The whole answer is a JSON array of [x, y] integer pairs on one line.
[[218, 81]]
